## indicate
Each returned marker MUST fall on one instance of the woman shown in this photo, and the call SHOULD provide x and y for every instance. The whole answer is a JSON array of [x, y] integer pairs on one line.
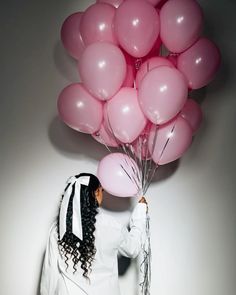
[[83, 244]]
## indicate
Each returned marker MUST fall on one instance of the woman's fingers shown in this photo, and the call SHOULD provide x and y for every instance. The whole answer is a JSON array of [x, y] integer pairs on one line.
[[143, 200]]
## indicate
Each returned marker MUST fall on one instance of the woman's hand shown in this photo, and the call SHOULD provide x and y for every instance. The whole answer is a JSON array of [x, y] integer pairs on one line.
[[143, 200]]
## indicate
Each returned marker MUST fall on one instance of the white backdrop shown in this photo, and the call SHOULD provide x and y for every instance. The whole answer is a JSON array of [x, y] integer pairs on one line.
[[192, 203]]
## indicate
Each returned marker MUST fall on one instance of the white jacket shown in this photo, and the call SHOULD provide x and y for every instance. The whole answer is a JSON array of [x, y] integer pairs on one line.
[[110, 238]]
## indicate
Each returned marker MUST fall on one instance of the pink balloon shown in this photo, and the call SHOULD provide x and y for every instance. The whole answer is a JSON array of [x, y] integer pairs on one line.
[[181, 24], [199, 63], [136, 26], [115, 3], [192, 113], [172, 140], [79, 110], [102, 69], [125, 117], [162, 94], [97, 24], [141, 150], [150, 64], [104, 136], [70, 35], [119, 175]]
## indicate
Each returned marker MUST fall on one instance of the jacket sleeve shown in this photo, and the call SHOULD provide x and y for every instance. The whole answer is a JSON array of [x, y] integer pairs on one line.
[[131, 241], [50, 271]]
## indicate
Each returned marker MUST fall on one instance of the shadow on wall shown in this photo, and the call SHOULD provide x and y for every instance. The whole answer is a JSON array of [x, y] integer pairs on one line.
[[65, 64], [77, 145], [74, 144]]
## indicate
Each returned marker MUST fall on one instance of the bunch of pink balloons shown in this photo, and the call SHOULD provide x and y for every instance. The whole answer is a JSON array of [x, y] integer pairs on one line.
[[127, 83]]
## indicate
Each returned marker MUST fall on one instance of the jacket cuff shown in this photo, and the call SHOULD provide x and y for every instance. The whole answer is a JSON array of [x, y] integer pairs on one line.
[[139, 211], [139, 215]]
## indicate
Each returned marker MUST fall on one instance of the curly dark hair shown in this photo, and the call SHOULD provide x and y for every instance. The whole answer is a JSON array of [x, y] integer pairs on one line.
[[72, 247]]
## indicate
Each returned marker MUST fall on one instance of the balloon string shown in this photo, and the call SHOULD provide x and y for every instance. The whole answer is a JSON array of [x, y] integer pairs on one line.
[[135, 172], [138, 63], [172, 130], [150, 164], [153, 169], [145, 266]]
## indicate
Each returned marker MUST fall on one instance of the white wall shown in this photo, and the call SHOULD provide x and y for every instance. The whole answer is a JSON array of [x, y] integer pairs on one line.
[[192, 207]]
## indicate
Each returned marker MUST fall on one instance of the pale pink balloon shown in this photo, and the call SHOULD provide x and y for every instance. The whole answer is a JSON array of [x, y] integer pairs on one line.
[[150, 64], [97, 24], [125, 117], [115, 3], [104, 136], [71, 37], [119, 175], [199, 63], [136, 26], [102, 69], [107, 122], [162, 94], [79, 110], [192, 113], [181, 24], [170, 141], [141, 150]]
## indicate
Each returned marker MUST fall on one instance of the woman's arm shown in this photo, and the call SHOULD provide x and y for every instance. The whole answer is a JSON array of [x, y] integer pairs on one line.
[[50, 271], [131, 241]]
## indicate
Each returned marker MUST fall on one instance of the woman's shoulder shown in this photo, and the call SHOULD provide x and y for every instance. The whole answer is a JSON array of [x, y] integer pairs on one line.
[[108, 220]]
